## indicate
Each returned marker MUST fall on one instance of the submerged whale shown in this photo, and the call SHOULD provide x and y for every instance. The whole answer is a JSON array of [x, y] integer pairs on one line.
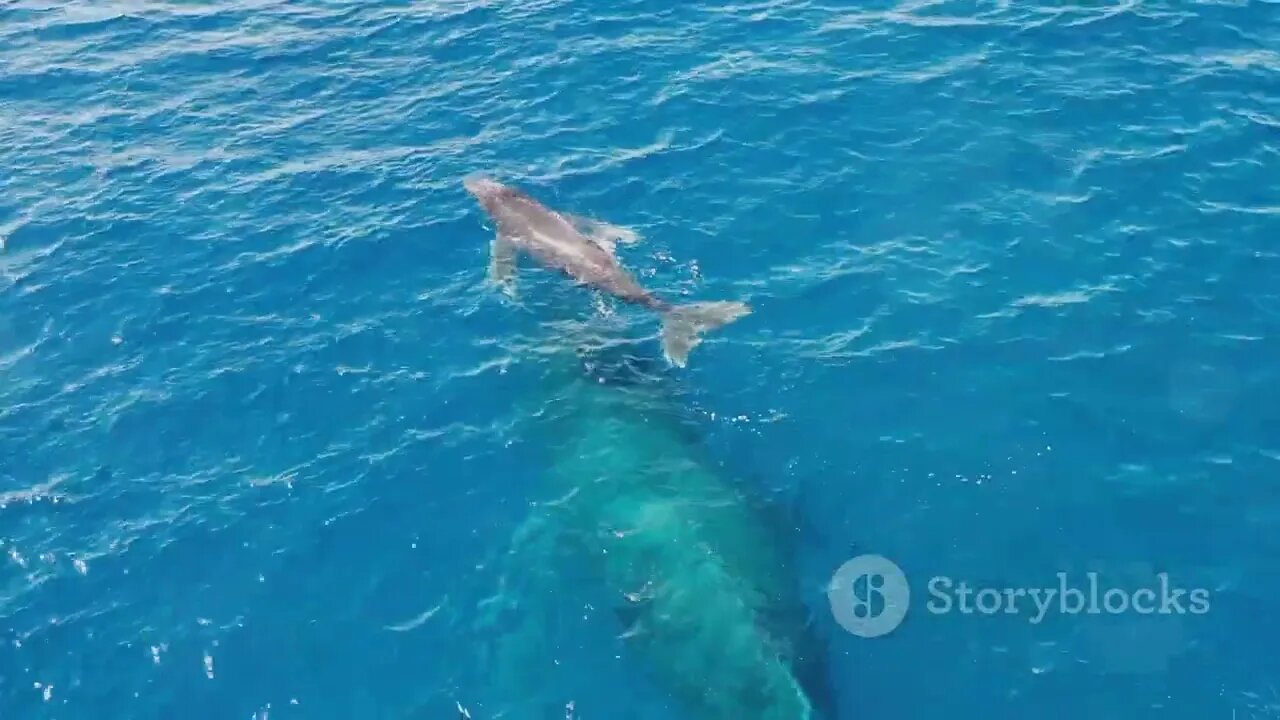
[[584, 250], [698, 574]]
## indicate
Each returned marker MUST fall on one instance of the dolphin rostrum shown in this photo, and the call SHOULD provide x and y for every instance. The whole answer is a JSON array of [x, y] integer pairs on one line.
[[584, 250]]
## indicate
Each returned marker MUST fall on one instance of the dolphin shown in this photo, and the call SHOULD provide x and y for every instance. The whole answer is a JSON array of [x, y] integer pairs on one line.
[[558, 241], [695, 571]]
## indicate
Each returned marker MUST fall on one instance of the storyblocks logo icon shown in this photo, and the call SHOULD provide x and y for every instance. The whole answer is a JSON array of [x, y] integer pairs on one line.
[[869, 596]]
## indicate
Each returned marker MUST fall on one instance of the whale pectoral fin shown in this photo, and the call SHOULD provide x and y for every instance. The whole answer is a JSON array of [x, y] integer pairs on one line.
[[502, 263], [603, 234]]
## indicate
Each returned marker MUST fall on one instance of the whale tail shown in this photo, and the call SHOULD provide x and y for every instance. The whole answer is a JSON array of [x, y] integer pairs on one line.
[[683, 325]]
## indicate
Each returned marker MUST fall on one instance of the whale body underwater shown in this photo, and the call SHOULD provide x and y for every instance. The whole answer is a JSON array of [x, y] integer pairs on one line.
[[584, 250], [696, 568]]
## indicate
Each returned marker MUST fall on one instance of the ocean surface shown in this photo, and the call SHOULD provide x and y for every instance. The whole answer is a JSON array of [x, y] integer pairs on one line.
[[1015, 271]]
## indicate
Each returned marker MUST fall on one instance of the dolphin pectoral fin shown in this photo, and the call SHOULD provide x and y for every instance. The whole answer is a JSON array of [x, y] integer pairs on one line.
[[502, 263], [603, 234]]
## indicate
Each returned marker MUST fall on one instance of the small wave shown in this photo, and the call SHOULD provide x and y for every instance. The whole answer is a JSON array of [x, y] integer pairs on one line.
[[1068, 297], [40, 492], [419, 621], [1092, 354], [1210, 206]]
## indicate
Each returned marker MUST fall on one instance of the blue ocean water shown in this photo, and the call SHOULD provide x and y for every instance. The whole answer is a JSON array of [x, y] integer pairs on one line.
[[1016, 285]]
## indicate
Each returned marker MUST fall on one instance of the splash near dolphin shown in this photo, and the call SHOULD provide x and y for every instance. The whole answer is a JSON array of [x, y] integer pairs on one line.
[[695, 573], [584, 250]]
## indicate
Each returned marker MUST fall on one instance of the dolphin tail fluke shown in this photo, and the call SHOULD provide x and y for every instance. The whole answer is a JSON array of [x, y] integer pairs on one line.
[[683, 325]]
